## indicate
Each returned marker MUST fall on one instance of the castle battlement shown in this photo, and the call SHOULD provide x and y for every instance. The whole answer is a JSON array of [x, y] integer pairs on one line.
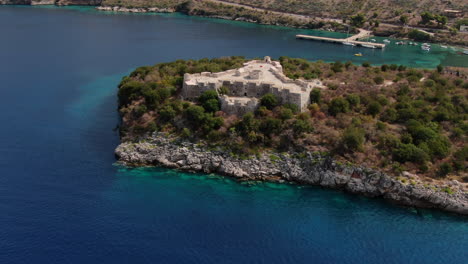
[[255, 79]]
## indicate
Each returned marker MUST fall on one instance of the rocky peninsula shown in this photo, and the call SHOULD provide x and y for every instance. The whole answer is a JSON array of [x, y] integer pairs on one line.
[[161, 149], [385, 131]]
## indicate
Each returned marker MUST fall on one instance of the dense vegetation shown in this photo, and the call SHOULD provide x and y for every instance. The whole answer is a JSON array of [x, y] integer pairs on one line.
[[389, 117]]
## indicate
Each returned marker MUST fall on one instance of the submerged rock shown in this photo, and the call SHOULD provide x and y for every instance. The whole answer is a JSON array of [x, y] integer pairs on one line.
[[311, 168]]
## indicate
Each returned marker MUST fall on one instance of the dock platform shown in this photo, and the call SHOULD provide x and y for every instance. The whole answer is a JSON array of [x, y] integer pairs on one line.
[[352, 40]]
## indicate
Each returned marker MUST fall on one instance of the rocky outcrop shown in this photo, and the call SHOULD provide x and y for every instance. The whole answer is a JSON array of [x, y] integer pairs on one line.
[[78, 2], [135, 10], [305, 168]]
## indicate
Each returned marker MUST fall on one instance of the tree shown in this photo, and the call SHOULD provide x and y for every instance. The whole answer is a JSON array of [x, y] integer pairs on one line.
[[426, 17], [195, 113], [269, 100], [358, 20], [338, 105], [211, 105], [208, 95], [315, 95], [404, 19], [441, 20], [247, 124]]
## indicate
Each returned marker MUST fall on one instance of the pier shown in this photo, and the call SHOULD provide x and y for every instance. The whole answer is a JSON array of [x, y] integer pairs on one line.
[[353, 39]]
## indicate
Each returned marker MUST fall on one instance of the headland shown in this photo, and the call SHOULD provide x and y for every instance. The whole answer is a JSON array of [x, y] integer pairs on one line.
[[386, 131]]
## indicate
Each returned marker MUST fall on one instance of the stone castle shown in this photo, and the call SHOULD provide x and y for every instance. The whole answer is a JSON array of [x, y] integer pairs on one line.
[[240, 89]]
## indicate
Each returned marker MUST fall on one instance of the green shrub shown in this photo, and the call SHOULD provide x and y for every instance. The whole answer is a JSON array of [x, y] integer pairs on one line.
[[293, 107], [439, 146], [167, 113], [390, 115], [195, 114], [429, 83], [444, 169], [338, 105], [418, 35], [353, 99], [315, 95], [381, 126], [140, 110], [337, 66], [374, 108], [379, 80], [409, 152], [208, 95], [301, 126], [353, 139], [366, 64], [269, 100], [211, 105], [286, 113]]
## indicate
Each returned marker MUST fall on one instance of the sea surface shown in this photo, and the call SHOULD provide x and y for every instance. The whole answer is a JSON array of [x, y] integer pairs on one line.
[[63, 199]]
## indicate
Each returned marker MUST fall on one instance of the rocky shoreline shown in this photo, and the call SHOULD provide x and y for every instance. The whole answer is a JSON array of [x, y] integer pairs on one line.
[[305, 168], [135, 10]]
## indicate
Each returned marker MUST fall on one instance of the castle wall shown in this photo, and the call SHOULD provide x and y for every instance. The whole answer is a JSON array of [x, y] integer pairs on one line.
[[253, 87], [238, 105]]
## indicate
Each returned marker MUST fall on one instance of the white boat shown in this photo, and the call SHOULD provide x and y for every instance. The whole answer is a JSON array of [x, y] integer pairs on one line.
[[348, 43], [373, 40], [400, 43], [465, 52], [444, 47], [387, 41], [425, 48], [368, 46]]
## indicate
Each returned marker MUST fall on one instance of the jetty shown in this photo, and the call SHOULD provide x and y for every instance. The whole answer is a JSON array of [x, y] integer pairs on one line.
[[353, 39]]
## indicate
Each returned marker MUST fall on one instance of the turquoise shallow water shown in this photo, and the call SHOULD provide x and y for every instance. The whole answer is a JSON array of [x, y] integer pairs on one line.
[[63, 200]]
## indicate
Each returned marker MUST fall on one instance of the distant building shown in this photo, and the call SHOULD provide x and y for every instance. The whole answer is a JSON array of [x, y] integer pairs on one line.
[[248, 84], [464, 28], [453, 13]]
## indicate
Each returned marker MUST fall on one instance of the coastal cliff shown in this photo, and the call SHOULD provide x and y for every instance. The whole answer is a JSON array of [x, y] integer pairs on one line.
[[160, 149]]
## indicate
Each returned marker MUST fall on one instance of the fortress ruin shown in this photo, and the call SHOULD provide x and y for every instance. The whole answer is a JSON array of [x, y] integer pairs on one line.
[[240, 89]]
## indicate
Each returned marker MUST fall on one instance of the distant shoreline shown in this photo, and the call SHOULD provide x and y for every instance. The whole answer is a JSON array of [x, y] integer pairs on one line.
[[251, 14]]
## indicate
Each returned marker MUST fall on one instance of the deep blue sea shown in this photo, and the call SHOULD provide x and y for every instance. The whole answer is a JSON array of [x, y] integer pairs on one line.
[[63, 200]]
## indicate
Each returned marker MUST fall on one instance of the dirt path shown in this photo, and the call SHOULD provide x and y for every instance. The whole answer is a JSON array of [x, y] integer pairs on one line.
[[298, 16], [305, 17]]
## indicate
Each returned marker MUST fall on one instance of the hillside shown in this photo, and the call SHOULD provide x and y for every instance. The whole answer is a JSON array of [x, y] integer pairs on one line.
[[389, 117], [383, 18], [385, 9]]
